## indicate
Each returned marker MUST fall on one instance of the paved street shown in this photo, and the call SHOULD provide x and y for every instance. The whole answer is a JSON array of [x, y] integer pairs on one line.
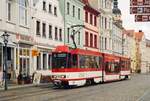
[[136, 89]]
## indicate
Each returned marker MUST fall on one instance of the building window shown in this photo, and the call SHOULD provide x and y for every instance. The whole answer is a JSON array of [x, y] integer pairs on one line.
[[23, 12], [91, 19], [86, 39], [49, 62], [44, 61], [60, 34], [102, 43], [105, 43], [95, 21], [95, 41], [38, 62], [91, 40], [105, 23], [9, 10], [86, 17], [102, 22], [44, 30], [37, 27], [79, 13], [68, 34], [50, 8], [68, 8], [44, 5], [50, 31], [78, 38], [56, 33], [55, 11], [73, 8]]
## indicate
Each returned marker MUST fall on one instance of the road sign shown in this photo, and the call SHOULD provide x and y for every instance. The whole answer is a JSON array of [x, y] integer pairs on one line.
[[139, 10], [139, 2], [142, 18]]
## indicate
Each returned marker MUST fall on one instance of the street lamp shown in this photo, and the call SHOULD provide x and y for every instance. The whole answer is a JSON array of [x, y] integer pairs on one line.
[[5, 39]]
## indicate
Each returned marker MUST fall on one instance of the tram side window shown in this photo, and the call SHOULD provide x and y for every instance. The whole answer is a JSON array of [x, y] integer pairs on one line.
[[74, 61], [89, 62], [100, 62], [112, 67], [116, 67]]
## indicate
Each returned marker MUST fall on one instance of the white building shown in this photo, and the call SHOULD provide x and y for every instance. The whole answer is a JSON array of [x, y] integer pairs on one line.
[[145, 57], [48, 32], [16, 21], [105, 27]]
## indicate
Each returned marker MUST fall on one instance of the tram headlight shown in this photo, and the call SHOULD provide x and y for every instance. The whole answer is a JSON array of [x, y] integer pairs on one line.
[[63, 76], [54, 76]]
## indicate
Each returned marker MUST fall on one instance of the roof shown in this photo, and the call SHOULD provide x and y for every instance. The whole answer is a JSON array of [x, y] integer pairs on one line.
[[139, 35], [89, 7]]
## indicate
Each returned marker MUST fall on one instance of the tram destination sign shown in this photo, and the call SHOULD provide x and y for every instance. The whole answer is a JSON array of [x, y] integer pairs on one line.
[[142, 18]]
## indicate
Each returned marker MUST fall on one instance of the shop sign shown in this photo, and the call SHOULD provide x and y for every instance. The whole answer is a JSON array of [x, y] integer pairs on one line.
[[37, 78], [142, 18], [35, 52], [24, 38]]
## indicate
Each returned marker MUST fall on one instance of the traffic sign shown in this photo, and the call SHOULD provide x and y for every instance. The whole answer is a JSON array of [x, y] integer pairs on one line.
[[139, 2], [142, 18], [139, 10]]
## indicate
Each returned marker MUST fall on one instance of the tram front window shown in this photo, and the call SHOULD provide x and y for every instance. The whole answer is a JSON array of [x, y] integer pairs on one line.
[[59, 60]]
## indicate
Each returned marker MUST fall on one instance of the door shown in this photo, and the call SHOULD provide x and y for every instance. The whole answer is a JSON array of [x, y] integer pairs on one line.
[[24, 66]]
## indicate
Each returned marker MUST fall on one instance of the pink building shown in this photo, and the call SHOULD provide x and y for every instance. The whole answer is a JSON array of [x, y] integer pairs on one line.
[[91, 30]]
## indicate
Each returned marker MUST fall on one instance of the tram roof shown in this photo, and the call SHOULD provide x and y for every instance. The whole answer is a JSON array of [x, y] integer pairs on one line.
[[66, 49], [85, 52]]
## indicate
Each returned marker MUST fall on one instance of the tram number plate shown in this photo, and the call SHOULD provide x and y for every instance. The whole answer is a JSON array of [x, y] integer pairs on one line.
[[81, 75]]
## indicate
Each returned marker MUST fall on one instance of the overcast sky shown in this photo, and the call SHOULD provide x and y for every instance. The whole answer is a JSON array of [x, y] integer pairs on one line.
[[128, 19]]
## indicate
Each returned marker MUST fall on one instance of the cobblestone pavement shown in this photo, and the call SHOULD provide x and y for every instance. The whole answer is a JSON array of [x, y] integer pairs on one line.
[[136, 89]]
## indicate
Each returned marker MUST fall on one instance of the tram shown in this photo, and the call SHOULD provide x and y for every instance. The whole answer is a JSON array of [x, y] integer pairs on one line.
[[78, 67]]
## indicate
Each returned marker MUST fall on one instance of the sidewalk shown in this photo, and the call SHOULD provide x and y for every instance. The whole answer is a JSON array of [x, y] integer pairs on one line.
[[12, 87]]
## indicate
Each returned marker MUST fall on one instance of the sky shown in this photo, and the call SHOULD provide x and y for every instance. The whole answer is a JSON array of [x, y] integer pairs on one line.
[[128, 19]]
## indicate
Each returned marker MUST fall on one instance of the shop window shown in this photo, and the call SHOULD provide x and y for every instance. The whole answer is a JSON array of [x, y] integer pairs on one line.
[[49, 62], [44, 61], [38, 65]]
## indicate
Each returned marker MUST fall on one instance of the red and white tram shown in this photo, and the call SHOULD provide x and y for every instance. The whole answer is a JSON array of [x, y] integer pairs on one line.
[[78, 67]]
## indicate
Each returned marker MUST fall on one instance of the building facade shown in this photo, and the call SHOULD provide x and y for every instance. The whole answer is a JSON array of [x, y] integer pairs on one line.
[[48, 32], [15, 19], [91, 29], [72, 11]]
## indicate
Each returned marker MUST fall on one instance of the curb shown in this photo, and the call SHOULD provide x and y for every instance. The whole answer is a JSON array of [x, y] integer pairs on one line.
[[25, 86]]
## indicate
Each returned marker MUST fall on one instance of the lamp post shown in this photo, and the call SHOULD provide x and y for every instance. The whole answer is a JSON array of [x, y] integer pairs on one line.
[[5, 39]]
